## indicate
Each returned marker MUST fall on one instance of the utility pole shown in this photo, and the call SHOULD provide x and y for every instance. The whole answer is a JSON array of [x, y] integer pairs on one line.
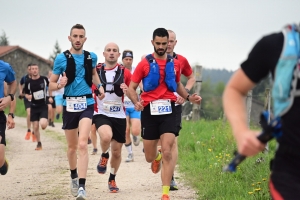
[[197, 89]]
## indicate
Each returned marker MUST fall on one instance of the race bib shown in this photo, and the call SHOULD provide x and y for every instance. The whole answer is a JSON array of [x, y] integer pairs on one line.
[[76, 104], [39, 95], [128, 103], [111, 106], [161, 107]]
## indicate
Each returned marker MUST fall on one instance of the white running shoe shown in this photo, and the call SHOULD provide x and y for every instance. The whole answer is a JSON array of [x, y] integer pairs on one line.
[[136, 140], [74, 187], [129, 158], [81, 194]]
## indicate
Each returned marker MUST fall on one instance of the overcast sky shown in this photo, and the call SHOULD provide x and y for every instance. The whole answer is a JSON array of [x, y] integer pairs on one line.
[[213, 33]]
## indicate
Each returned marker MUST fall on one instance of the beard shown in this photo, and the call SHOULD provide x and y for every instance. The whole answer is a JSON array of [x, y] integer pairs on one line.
[[77, 48], [160, 53]]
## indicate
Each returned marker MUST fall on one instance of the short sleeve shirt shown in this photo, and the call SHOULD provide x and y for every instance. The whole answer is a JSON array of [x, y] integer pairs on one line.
[[7, 74]]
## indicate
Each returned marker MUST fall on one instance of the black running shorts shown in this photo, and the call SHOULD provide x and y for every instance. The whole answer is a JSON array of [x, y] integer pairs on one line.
[[2, 127], [38, 111], [153, 126], [71, 119], [118, 126]]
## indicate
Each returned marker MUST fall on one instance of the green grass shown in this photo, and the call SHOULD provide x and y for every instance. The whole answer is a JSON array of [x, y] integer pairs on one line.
[[205, 147]]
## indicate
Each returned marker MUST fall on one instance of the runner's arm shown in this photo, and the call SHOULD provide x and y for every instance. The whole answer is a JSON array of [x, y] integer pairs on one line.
[[53, 85], [190, 82], [131, 92]]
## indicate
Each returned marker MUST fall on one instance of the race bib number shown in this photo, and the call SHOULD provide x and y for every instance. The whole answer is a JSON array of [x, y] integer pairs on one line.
[[111, 106], [76, 104], [161, 107], [128, 103], [39, 95]]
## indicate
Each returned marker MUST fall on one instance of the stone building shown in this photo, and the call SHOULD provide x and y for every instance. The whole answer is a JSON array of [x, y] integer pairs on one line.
[[19, 58]]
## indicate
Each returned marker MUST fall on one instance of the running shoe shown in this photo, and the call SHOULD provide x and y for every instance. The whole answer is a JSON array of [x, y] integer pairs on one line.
[[81, 195], [165, 197], [101, 167], [173, 185], [38, 147], [33, 137], [112, 186], [129, 158], [156, 165], [94, 152], [136, 140], [74, 187], [27, 136], [4, 168]]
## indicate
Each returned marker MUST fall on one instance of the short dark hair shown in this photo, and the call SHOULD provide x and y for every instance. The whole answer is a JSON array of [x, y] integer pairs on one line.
[[29, 65], [77, 26], [160, 32]]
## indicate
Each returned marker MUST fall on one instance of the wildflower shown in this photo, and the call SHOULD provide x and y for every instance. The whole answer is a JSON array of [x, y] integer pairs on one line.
[[209, 149], [258, 183], [216, 156], [198, 142], [264, 179], [250, 192], [253, 184], [257, 189]]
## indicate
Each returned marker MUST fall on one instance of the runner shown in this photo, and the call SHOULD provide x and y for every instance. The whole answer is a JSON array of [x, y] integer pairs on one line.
[[187, 71], [133, 117], [35, 91], [51, 104], [278, 54], [78, 69], [58, 97], [23, 80], [110, 118], [7, 75], [157, 104]]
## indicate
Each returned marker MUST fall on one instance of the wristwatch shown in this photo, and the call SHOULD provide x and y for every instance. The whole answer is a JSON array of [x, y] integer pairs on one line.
[[11, 114], [99, 85], [188, 97], [12, 97]]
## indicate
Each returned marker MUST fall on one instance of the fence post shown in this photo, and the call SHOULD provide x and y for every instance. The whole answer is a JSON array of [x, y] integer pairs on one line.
[[249, 104], [267, 106], [197, 89]]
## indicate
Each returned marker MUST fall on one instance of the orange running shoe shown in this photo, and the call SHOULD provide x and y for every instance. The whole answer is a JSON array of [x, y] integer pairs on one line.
[[33, 137], [156, 165], [38, 146], [112, 186], [165, 197], [27, 136]]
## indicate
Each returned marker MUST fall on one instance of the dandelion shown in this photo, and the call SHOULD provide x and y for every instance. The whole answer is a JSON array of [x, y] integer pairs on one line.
[[253, 184], [250, 192], [209, 149], [257, 189], [216, 156], [258, 183], [264, 179], [198, 142]]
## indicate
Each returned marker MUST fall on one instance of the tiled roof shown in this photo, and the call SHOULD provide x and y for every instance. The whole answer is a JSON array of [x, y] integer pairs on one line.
[[8, 49]]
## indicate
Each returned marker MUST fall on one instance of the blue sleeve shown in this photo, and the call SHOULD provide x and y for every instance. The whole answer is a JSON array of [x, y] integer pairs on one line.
[[10, 75], [94, 59], [60, 64]]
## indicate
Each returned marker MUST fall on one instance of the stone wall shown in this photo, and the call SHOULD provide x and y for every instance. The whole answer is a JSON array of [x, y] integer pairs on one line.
[[19, 60]]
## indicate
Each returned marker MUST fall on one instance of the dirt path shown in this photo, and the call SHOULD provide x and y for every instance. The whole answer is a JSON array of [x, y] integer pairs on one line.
[[41, 175]]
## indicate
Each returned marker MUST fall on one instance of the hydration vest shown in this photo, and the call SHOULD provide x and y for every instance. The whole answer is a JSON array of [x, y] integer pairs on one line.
[[287, 72], [71, 67], [151, 81], [118, 79]]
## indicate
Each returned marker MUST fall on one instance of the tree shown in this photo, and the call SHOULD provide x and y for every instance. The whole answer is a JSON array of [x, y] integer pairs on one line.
[[55, 52], [4, 39]]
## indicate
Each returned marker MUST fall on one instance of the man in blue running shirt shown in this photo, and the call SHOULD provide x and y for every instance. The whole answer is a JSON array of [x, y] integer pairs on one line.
[[78, 72], [7, 75]]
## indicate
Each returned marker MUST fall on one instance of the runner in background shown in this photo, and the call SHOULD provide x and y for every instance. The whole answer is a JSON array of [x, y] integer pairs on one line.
[[51, 104], [58, 97], [133, 117]]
